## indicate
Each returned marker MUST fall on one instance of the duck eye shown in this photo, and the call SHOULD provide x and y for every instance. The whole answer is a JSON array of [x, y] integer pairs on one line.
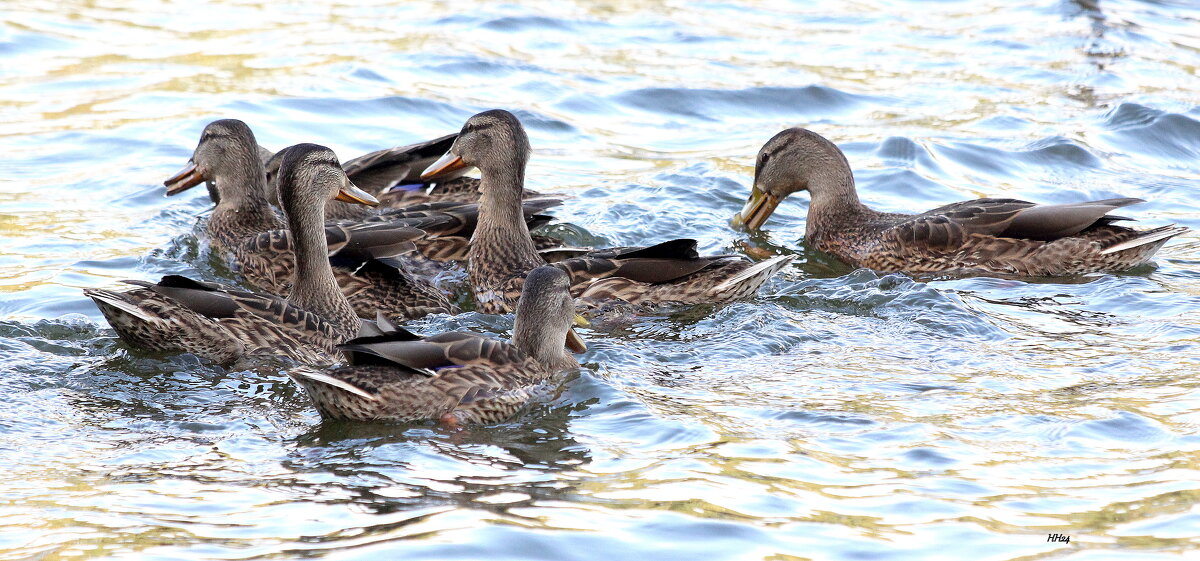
[[765, 157]]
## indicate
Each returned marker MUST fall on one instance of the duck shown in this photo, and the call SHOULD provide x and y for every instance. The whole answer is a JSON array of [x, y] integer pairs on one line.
[[456, 377], [245, 227], [226, 325], [393, 175], [1001, 236], [502, 252]]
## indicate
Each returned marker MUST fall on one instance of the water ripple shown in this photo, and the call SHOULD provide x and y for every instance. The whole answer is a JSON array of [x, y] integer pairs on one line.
[[841, 414]]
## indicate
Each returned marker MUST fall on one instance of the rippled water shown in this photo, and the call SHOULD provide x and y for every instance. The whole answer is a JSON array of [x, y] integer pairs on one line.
[[840, 415]]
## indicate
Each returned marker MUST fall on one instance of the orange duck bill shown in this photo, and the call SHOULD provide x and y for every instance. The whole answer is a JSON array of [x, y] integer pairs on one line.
[[350, 193], [187, 178], [444, 167]]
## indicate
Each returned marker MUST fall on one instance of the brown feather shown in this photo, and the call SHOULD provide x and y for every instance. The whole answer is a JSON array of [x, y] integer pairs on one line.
[[1005, 236]]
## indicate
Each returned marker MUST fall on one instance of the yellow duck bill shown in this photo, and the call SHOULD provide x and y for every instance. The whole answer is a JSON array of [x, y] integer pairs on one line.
[[575, 343], [758, 208]]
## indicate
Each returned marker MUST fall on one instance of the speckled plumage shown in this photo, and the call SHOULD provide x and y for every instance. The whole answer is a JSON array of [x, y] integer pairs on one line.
[[181, 315], [453, 377], [244, 227], [502, 251], [250, 325], [1000, 236], [448, 226]]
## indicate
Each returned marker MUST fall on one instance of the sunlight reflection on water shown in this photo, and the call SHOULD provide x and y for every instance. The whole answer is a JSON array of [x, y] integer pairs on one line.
[[840, 415]]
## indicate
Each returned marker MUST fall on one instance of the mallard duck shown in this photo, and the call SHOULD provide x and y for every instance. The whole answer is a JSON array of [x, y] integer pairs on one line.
[[245, 227], [182, 315], [453, 377], [393, 175], [1005, 236], [502, 252]]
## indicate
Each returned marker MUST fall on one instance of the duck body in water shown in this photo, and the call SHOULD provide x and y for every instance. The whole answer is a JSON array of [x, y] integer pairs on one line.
[[981, 236], [225, 325], [456, 377], [502, 252]]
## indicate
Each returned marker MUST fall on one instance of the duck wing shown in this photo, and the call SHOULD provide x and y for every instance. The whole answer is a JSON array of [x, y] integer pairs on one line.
[[427, 355], [950, 225], [403, 164], [448, 218], [239, 309], [654, 264], [1051, 222], [358, 243]]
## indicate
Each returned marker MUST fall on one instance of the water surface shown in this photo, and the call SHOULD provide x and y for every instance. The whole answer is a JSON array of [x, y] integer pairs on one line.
[[840, 415]]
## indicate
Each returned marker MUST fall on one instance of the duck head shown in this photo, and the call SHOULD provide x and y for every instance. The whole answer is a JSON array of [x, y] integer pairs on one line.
[[493, 141], [310, 174], [794, 160], [226, 155], [546, 316]]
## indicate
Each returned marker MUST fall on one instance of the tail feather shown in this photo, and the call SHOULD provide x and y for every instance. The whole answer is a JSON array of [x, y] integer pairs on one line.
[[1147, 237], [757, 273], [309, 374], [118, 301]]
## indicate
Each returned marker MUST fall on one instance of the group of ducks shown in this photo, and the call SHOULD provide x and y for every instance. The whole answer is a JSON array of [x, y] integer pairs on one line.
[[360, 244]]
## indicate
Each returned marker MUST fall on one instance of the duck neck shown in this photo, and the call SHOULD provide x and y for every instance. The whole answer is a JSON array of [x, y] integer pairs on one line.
[[527, 337], [502, 230], [834, 204], [531, 337], [314, 288], [243, 209]]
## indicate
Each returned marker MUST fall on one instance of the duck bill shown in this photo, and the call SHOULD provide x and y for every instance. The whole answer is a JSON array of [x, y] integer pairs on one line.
[[187, 178], [444, 168], [758, 208], [350, 193], [575, 343]]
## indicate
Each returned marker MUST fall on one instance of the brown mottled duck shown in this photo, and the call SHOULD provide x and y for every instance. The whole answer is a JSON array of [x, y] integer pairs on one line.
[[453, 377], [1003, 236], [182, 315], [244, 227], [502, 252]]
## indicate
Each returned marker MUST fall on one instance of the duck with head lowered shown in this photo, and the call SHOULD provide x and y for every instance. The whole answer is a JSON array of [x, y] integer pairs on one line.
[[502, 252], [224, 325], [981, 236]]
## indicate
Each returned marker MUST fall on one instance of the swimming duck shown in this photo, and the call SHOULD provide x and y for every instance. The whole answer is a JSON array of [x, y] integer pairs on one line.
[[502, 252], [1005, 236], [245, 227], [179, 314], [455, 377]]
